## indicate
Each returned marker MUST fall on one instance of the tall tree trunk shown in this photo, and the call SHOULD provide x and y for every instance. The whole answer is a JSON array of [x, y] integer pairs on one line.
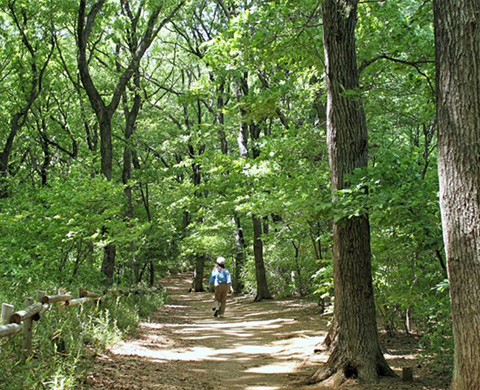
[[6, 152], [239, 256], [108, 266], [151, 275], [131, 115], [103, 113], [242, 140], [199, 257], [47, 158], [357, 351], [197, 178], [106, 152], [262, 286], [220, 117], [457, 35], [238, 231], [199, 272]]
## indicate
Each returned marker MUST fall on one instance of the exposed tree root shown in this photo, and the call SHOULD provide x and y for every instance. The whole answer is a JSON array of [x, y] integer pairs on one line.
[[260, 298], [339, 369]]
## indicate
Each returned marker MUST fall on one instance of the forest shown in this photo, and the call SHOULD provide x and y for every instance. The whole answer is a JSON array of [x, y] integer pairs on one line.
[[327, 149]]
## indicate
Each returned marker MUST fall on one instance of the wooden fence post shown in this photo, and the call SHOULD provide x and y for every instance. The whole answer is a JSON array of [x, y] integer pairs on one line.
[[407, 374], [7, 311], [40, 295], [27, 331]]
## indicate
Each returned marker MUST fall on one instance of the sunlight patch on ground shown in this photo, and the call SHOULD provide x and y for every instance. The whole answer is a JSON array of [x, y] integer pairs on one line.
[[236, 334], [291, 350], [225, 324], [277, 368], [176, 306], [390, 356], [264, 346], [191, 354], [151, 325], [254, 347]]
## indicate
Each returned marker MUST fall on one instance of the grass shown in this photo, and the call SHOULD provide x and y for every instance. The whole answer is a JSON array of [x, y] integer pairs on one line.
[[65, 338]]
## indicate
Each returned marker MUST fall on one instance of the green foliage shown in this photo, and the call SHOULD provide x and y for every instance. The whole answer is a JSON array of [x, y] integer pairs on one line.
[[216, 68], [54, 233], [438, 339], [64, 340]]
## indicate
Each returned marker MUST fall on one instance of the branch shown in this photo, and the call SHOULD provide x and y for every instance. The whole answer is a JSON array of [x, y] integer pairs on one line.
[[47, 60], [191, 49], [369, 62], [21, 29], [91, 17], [64, 64], [224, 9], [83, 32], [414, 64], [150, 33], [279, 112]]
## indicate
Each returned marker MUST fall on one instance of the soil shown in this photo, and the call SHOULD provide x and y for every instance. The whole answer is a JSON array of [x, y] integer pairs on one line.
[[269, 345]]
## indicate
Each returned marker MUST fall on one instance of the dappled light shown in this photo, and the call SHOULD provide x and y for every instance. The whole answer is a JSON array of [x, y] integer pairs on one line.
[[256, 346], [320, 156], [273, 344]]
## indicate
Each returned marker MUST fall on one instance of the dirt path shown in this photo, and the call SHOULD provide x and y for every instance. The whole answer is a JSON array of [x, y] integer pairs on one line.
[[262, 346]]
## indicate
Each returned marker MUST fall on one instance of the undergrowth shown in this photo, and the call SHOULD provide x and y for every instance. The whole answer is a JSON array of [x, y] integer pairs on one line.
[[64, 341]]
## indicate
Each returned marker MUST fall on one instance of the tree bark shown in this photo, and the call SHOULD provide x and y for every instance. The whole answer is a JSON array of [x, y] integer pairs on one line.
[[239, 255], [7, 150], [102, 111], [199, 257], [131, 115], [457, 38], [199, 272], [356, 352], [242, 140], [263, 291], [47, 158], [151, 278], [108, 264], [220, 118]]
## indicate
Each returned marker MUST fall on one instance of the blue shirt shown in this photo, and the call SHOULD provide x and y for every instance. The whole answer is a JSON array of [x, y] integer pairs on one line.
[[219, 276]]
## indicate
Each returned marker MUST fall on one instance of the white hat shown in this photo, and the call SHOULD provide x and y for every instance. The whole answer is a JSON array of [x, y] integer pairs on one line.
[[221, 260]]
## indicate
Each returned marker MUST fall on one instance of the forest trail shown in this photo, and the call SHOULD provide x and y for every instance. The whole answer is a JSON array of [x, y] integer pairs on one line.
[[257, 346]]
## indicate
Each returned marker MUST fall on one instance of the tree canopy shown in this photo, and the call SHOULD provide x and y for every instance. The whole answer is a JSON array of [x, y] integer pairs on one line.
[[139, 137]]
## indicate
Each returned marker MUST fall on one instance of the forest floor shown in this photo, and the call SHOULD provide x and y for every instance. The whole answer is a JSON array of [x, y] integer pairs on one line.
[[257, 346]]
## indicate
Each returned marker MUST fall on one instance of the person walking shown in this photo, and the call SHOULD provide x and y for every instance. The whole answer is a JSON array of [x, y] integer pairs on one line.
[[220, 278]]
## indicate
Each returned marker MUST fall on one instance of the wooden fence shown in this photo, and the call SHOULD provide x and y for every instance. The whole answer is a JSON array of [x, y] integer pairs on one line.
[[13, 322]]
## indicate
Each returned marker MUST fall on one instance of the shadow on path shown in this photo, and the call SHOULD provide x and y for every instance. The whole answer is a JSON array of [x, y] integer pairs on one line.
[[257, 346]]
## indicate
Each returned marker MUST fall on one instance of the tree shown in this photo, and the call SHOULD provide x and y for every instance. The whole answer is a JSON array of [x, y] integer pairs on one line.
[[103, 111], [263, 292], [37, 60], [457, 37], [356, 352]]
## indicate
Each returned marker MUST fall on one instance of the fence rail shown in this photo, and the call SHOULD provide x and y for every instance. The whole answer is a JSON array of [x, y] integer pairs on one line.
[[13, 322]]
